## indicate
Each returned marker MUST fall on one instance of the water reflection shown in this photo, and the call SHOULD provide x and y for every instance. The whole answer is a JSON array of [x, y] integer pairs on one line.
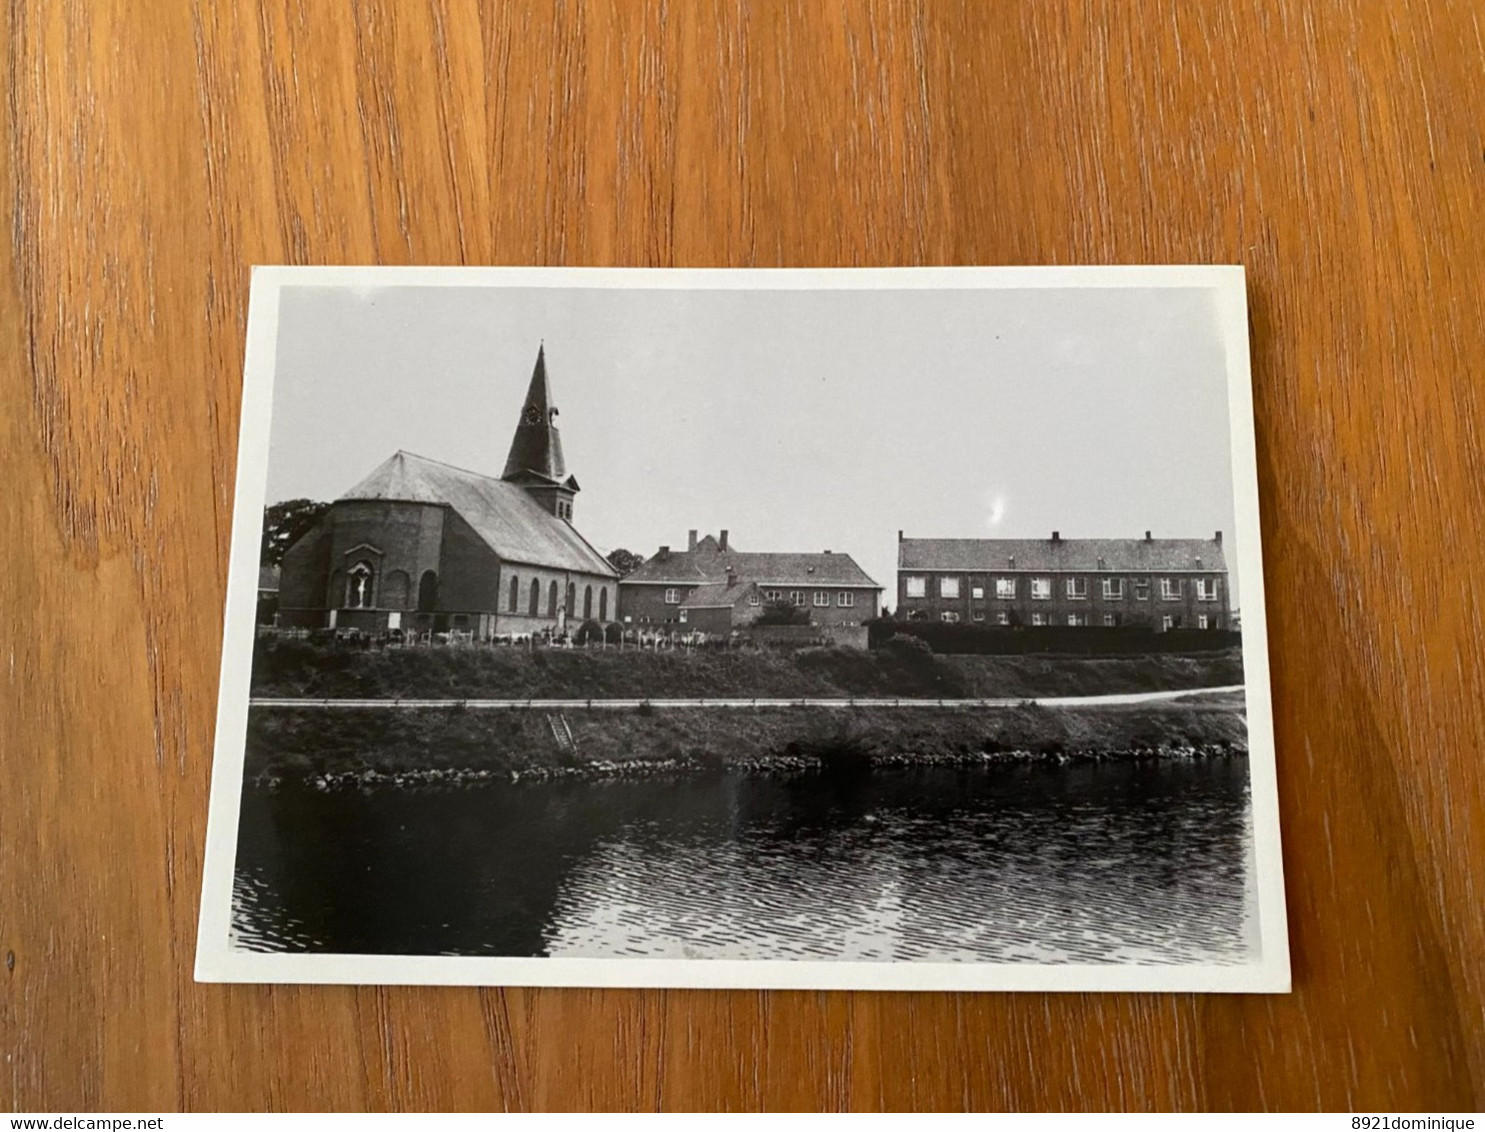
[[1144, 862]]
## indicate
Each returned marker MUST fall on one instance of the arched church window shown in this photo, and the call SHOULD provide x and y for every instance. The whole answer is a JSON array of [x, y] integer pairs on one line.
[[358, 585], [427, 592], [603, 604], [535, 604], [515, 593], [572, 599], [394, 589], [588, 603], [552, 600]]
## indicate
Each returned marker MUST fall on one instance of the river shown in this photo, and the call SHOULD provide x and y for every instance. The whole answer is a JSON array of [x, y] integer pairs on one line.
[[1116, 862]]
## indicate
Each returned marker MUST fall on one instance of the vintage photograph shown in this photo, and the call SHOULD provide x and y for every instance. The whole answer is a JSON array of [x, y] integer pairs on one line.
[[895, 628]]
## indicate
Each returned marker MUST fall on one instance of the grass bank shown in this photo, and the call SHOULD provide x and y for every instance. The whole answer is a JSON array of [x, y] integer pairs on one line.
[[293, 668], [367, 747]]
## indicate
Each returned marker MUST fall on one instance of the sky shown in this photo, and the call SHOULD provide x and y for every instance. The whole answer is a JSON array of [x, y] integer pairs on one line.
[[797, 420]]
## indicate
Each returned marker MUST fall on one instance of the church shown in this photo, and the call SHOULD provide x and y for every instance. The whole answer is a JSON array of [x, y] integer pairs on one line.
[[419, 545]]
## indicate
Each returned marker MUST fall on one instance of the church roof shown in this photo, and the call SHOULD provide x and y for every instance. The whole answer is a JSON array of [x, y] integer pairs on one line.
[[514, 525], [536, 448], [709, 563], [1081, 554]]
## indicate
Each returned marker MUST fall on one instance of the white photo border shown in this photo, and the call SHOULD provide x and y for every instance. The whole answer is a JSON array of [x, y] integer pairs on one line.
[[218, 961]]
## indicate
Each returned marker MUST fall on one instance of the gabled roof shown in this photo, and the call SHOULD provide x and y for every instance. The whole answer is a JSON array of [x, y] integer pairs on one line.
[[709, 563], [513, 524], [718, 595], [799, 569], [676, 570], [1085, 554]]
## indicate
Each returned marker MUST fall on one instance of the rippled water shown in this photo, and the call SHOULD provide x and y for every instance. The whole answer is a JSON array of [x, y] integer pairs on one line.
[[1129, 863]]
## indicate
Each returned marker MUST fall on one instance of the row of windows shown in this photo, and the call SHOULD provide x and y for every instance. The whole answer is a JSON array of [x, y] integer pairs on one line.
[[845, 599], [1111, 620], [533, 602], [1114, 589], [360, 593]]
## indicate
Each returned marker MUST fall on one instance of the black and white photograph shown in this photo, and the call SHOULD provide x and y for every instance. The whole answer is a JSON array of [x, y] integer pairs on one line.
[[893, 628]]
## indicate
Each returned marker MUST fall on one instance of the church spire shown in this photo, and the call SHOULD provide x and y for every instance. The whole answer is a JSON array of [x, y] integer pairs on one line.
[[535, 461], [537, 446]]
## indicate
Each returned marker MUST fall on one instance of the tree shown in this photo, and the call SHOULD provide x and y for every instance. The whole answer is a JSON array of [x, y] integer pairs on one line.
[[780, 612], [589, 632], [283, 523], [624, 561]]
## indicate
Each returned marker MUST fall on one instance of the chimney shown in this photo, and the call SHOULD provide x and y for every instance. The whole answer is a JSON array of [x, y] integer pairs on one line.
[[664, 553], [691, 540], [1218, 539], [899, 534], [827, 552], [722, 540], [1056, 536], [1147, 537]]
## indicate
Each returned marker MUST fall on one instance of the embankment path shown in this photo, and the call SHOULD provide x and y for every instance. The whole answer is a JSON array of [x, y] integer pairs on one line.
[[745, 702]]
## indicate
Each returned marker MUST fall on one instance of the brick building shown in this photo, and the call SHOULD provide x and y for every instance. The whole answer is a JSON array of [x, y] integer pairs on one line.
[[686, 588], [1153, 583], [720, 607], [419, 544]]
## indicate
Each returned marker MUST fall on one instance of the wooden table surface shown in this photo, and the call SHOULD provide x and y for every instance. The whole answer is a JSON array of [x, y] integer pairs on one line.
[[153, 151]]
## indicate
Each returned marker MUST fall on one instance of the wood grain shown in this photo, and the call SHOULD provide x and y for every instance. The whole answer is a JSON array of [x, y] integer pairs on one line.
[[152, 152]]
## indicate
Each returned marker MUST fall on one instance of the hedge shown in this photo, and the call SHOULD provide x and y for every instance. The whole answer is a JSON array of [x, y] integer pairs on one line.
[[946, 637]]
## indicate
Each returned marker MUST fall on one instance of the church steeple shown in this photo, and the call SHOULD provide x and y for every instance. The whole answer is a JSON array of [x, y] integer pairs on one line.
[[535, 461], [537, 446]]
